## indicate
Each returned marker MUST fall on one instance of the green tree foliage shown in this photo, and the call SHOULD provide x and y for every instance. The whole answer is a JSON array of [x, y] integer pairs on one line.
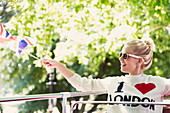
[[6, 12], [84, 35]]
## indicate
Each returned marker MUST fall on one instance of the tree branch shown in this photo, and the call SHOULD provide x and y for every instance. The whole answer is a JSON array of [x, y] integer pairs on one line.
[[155, 28]]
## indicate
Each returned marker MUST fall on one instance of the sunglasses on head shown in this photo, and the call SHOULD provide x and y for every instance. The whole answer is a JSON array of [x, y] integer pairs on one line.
[[126, 55]]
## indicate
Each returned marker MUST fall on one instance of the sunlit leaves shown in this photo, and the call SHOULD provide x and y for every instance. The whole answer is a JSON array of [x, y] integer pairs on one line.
[[154, 18], [79, 24], [86, 35], [89, 31]]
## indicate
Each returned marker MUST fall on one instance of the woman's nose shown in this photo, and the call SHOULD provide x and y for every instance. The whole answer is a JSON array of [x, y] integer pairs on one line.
[[121, 58]]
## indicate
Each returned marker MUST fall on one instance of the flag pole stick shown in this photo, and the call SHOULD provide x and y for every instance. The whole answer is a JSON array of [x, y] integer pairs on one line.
[[33, 56]]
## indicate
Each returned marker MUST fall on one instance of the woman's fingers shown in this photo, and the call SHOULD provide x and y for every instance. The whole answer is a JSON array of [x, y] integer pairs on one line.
[[48, 62], [45, 62]]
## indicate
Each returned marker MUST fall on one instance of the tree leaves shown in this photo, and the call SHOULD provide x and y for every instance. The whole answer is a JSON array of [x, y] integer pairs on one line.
[[84, 35]]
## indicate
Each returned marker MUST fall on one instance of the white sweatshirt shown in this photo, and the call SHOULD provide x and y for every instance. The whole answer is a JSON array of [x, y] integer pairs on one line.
[[139, 88]]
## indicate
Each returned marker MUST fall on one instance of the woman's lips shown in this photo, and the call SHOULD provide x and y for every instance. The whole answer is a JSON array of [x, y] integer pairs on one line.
[[123, 65]]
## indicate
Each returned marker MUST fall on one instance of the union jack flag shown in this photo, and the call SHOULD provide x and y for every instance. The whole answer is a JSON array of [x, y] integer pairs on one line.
[[4, 34], [15, 43], [24, 42]]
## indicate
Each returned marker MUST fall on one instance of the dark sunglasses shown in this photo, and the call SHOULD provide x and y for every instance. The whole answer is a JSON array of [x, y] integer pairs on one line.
[[126, 55]]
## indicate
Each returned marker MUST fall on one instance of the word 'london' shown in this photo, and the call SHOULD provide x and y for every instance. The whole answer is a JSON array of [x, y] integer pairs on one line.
[[134, 99]]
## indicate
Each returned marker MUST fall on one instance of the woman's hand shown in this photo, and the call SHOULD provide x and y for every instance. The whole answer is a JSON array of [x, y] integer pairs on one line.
[[60, 67], [50, 63]]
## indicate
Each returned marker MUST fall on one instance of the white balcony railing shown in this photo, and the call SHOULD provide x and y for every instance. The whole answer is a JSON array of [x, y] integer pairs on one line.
[[63, 95], [66, 95]]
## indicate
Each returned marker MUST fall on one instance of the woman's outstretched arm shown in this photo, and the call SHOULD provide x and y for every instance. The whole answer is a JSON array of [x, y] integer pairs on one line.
[[60, 67], [80, 83]]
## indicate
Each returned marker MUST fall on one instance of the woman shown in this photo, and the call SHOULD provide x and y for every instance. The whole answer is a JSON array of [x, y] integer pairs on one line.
[[136, 56]]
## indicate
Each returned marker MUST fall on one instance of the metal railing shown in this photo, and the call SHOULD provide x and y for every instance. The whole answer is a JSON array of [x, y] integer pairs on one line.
[[109, 102], [66, 95], [63, 95]]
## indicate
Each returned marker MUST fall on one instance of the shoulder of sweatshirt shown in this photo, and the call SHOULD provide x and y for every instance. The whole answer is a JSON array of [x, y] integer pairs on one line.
[[150, 77], [159, 79], [114, 78]]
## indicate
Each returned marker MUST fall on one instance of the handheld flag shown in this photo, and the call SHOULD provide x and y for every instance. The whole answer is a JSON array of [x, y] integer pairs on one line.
[[23, 43], [15, 43], [4, 34]]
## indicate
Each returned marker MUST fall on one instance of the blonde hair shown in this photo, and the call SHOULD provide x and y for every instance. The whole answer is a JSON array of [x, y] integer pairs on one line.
[[143, 48]]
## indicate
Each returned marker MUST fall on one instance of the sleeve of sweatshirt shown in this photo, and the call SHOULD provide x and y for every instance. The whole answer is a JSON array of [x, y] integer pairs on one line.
[[84, 84], [167, 87]]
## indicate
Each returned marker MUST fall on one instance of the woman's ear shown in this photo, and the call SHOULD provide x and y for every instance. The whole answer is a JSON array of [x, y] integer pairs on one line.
[[140, 61]]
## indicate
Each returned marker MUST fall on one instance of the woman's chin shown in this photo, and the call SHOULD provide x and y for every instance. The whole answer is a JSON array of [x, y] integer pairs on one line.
[[124, 71]]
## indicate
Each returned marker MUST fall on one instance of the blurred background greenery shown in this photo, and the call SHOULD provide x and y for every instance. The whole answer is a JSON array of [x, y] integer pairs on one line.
[[85, 35]]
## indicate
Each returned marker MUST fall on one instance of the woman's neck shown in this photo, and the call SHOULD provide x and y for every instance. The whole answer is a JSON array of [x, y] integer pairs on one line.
[[133, 74], [137, 71]]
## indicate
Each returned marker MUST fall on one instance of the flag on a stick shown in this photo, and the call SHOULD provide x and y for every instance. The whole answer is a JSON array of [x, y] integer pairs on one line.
[[15, 43]]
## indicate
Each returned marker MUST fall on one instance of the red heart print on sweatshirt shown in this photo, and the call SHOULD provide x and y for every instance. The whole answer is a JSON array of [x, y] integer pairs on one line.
[[145, 88]]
